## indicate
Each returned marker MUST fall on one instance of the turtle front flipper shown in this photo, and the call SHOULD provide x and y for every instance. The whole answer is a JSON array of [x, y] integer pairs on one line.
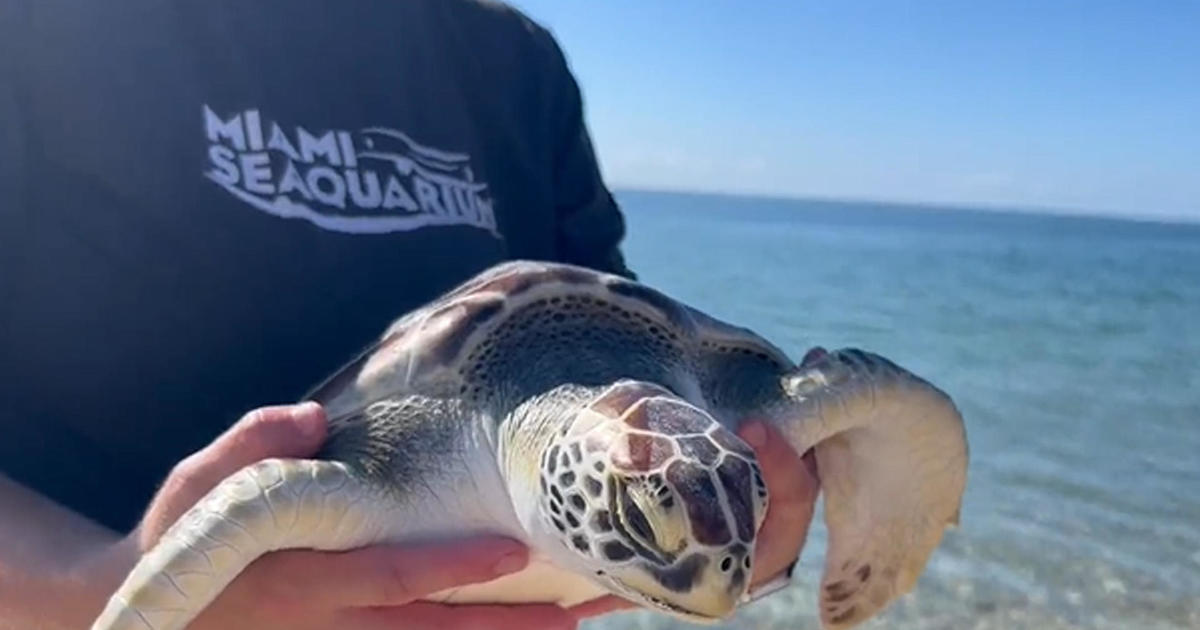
[[891, 454], [271, 505]]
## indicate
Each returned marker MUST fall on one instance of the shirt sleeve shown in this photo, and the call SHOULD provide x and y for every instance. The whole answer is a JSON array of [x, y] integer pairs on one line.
[[590, 226]]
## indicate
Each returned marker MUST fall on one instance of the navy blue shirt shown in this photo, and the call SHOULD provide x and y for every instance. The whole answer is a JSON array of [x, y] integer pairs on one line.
[[207, 206]]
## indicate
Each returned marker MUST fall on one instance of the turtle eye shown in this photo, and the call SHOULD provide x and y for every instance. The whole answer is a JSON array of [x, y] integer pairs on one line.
[[647, 511], [632, 516]]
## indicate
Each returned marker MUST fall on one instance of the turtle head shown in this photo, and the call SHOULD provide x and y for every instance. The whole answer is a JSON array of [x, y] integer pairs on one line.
[[657, 500]]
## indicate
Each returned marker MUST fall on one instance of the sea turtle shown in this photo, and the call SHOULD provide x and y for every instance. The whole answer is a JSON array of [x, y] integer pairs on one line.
[[591, 417]]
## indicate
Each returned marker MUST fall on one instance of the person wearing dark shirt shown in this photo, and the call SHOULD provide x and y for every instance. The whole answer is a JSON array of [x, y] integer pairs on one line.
[[207, 206]]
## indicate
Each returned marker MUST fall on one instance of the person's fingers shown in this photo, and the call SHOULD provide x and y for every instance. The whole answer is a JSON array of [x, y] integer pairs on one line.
[[382, 575], [431, 616], [284, 431], [600, 606], [793, 486], [281, 431]]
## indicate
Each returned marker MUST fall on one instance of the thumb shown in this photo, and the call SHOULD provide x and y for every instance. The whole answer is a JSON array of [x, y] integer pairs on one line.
[[794, 485], [282, 431]]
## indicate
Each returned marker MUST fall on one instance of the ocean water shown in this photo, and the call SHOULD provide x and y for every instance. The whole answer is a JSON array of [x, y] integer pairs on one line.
[[1071, 345]]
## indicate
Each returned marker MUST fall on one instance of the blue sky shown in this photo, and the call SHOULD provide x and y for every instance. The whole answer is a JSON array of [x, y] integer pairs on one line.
[[1089, 106]]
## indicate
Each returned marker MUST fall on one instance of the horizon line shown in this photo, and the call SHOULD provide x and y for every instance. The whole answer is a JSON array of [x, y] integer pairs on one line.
[[978, 206]]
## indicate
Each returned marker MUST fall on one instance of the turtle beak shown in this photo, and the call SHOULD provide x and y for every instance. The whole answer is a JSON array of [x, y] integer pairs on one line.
[[712, 598], [718, 603], [705, 610], [718, 596]]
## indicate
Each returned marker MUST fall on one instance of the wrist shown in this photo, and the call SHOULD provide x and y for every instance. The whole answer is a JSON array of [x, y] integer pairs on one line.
[[99, 575], [57, 567], [74, 595]]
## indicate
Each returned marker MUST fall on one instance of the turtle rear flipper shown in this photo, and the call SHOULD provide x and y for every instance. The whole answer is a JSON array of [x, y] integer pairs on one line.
[[271, 505]]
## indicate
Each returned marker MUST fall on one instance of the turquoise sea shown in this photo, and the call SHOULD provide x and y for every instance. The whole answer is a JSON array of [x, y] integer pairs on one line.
[[1072, 346]]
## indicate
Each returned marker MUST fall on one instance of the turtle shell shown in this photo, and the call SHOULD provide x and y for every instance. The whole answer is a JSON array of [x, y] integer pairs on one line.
[[521, 328]]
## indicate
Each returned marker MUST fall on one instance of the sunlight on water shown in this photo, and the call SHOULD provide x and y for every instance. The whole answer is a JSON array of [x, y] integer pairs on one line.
[[1072, 347]]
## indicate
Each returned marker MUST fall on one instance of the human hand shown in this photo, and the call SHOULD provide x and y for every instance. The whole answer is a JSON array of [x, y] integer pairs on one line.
[[793, 485], [366, 588]]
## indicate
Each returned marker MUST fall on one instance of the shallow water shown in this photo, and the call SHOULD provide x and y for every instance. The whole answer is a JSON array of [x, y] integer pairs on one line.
[[1072, 346]]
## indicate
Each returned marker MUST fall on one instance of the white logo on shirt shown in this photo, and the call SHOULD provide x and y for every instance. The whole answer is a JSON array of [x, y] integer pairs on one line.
[[373, 180]]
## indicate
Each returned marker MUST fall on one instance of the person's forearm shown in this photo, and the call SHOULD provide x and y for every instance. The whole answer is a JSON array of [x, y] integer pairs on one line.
[[56, 567]]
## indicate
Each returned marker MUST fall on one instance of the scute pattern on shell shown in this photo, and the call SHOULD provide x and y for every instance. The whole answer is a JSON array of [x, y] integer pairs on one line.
[[523, 327]]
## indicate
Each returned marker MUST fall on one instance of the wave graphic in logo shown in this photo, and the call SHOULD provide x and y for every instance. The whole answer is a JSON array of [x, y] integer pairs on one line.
[[375, 180]]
